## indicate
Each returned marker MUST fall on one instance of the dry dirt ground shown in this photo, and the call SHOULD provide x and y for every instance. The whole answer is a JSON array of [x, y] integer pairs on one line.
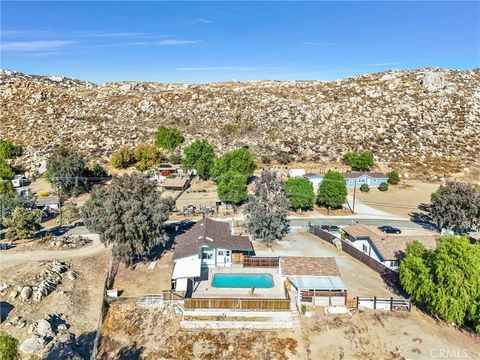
[[130, 332], [141, 280], [400, 200], [78, 301]]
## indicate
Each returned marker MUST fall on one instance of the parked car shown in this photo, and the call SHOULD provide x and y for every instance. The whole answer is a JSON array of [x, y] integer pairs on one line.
[[390, 229], [330, 228]]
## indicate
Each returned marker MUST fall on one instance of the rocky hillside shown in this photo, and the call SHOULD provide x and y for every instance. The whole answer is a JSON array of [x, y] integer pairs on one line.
[[420, 117]]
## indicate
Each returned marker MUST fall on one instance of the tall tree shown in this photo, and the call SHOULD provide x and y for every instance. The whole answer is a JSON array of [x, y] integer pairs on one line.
[[238, 160], [200, 155], [300, 193], [446, 279], [128, 214], [359, 160], [8, 150], [332, 191], [232, 187], [66, 169], [146, 156], [8, 347], [267, 208], [456, 206], [6, 171], [167, 138], [23, 223]]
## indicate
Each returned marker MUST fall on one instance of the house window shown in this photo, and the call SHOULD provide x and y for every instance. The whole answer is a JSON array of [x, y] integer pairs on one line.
[[364, 248], [393, 263], [227, 252], [207, 256], [220, 252]]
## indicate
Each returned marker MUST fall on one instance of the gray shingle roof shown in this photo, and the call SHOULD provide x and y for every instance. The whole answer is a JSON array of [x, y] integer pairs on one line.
[[211, 233]]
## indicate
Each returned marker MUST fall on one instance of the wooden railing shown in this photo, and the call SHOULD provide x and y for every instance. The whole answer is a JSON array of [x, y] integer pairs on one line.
[[384, 303], [257, 261], [238, 304]]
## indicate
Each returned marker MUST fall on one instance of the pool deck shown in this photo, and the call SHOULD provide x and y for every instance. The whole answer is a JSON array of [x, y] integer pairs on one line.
[[204, 289]]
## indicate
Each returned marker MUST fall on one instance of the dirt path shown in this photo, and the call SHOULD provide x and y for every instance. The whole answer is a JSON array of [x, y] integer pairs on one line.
[[14, 258]]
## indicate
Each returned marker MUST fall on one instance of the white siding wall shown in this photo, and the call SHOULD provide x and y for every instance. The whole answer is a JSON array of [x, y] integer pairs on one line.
[[366, 247]]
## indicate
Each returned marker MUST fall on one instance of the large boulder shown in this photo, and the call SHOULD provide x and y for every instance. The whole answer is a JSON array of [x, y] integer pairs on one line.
[[26, 293], [44, 328], [32, 345], [433, 81]]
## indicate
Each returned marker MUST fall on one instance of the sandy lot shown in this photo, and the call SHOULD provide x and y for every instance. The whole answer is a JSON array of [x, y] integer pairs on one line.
[[400, 200], [77, 301]]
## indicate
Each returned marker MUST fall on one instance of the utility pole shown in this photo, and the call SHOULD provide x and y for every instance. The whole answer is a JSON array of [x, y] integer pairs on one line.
[[354, 191]]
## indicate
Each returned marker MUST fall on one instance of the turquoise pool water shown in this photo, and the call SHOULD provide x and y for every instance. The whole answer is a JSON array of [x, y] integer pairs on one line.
[[242, 281]]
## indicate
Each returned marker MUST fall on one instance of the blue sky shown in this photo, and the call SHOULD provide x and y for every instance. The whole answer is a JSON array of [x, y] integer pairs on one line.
[[198, 42]]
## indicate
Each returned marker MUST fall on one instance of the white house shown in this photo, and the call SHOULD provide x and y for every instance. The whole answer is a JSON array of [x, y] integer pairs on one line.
[[207, 244], [387, 249], [296, 173], [19, 181]]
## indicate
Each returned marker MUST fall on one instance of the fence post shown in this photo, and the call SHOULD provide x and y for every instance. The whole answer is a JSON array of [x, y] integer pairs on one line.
[[374, 303], [410, 305], [357, 302], [391, 303]]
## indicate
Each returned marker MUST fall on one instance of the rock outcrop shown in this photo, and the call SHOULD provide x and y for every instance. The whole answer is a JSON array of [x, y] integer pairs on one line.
[[416, 116]]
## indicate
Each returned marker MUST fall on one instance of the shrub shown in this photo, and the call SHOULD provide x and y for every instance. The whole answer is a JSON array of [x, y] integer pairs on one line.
[[383, 186], [393, 177], [6, 172], [6, 187], [8, 347], [176, 159], [284, 159], [23, 223], [364, 188], [303, 309], [266, 159], [167, 138], [96, 171], [9, 150], [122, 158]]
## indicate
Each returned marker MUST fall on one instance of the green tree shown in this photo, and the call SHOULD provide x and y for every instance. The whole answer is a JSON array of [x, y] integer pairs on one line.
[[238, 160], [9, 201], [300, 193], [123, 158], [232, 187], [23, 223], [393, 177], [332, 191], [96, 171], [200, 155], [6, 187], [8, 347], [147, 156], [446, 279], [67, 171], [168, 138], [383, 186], [456, 206], [8, 150], [359, 160], [6, 171], [129, 214], [266, 211]]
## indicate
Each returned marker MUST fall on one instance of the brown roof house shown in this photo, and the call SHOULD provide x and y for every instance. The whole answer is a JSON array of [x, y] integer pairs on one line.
[[387, 249], [207, 244], [316, 280]]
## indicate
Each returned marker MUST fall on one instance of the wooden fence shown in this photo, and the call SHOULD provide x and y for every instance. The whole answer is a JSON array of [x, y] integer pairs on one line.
[[250, 261], [387, 274], [170, 295], [309, 295], [238, 304]]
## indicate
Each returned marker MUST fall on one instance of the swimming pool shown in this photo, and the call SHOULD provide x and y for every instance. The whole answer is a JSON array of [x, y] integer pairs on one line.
[[242, 281]]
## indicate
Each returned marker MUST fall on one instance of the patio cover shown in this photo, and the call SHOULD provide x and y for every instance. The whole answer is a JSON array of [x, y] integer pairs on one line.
[[187, 268], [317, 282]]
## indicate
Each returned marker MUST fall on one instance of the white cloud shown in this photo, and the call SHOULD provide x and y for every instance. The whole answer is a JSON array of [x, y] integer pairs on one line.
[[167, 42], [35, 45]]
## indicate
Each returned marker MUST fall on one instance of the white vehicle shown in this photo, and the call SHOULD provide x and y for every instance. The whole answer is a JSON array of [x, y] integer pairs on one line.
[[19, 181]]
